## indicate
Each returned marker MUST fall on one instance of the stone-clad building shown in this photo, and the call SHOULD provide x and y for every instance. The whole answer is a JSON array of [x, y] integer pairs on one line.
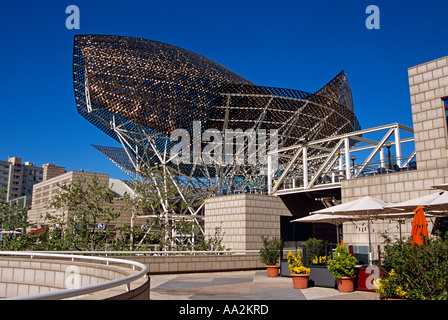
[[428, 83]]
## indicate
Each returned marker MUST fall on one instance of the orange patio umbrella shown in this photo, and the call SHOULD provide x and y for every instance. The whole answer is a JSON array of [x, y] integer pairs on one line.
[[419, 226]]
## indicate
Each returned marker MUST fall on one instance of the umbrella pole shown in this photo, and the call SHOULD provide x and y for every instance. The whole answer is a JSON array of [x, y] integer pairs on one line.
[[337, 233], [370, 242]]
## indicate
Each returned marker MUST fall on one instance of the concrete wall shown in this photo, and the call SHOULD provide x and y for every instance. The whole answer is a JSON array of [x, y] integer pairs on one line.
[[243, 218], [21, 277], [199, 263], [428, 85]]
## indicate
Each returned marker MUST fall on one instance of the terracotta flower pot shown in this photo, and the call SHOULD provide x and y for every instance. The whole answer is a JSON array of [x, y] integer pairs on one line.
[[346, 284], [300, 281], [272, 271]]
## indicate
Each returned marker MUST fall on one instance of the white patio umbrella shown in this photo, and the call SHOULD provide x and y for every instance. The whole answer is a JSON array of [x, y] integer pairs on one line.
[[339, 219], [362, 206], [441, 186], [324, 218], [327, 218], [437, 201], [368, 207]]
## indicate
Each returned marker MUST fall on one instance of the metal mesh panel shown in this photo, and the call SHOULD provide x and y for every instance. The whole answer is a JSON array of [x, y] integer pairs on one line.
[[150, 83], [138, 91], [338, 89]]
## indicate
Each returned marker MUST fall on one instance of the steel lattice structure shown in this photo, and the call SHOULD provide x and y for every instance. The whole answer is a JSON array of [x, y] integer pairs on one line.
[[138, 91]]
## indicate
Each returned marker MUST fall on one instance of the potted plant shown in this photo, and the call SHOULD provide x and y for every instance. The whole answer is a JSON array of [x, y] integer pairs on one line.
[[299, 273], [270, 254], [343, 269]]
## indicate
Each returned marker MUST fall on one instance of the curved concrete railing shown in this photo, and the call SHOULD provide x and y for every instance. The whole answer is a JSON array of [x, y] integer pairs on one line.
[[84, 290]]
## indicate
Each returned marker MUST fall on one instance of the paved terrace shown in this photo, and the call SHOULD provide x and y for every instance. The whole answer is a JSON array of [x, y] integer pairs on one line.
[[241, 285]]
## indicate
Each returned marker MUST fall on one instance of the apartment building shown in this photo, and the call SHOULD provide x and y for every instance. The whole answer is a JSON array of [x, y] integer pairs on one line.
[[17, 178]]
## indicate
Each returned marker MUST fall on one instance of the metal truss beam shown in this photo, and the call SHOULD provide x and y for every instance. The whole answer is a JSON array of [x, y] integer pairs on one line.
[[323, 164]]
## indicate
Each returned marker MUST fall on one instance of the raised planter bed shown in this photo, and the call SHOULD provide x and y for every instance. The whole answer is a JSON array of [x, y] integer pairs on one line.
[[362, 278], [319, 275]]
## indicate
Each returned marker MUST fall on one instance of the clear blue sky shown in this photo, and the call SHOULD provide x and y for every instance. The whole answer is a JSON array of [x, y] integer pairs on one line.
[[292, 44]]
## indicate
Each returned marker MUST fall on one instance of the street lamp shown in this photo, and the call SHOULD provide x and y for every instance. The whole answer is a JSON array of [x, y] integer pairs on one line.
[[388, 145], [353, 158]]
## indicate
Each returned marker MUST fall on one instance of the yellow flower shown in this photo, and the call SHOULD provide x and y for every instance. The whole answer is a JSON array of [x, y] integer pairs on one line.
[[300, 270], [390, 287], [320, 259], [400, 292], [377, 284], [295, 263]]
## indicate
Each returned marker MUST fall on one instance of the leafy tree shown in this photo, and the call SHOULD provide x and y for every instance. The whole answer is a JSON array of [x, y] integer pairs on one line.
[[162, 196], [50, 240], [13, 223], [80, 206]]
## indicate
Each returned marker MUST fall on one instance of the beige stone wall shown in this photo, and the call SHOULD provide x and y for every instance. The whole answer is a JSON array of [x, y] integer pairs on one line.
[[51, 171], [21, 277], [199, 263], [428, 85], [244, 218], [45, 191]]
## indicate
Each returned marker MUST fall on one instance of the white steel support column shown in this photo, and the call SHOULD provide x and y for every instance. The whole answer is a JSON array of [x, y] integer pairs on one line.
[[382, 160], [398, 145], [269, 173], [341, 167], [305, 166], [348, 174]]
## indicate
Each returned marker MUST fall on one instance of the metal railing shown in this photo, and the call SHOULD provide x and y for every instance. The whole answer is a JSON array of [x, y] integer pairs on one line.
[[324, 163], [70, 293], [152, 252], [335, 176]]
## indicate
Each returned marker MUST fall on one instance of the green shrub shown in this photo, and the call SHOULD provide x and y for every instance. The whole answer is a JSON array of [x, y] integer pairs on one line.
[[315, 249], [343, 264], [422, 270], [270, 253]]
